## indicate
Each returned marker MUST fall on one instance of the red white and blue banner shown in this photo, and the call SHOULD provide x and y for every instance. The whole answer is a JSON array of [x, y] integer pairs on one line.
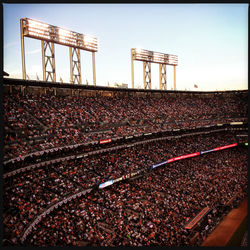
[[192, 155]]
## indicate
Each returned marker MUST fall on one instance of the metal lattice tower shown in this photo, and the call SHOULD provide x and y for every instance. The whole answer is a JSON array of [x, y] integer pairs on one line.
[[163, 76], [50, 35], [148, 57], [147, 75], [75, 66], [49, 72]]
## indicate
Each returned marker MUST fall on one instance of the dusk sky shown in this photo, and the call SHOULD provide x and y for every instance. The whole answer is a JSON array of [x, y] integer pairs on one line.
[[210, 40]]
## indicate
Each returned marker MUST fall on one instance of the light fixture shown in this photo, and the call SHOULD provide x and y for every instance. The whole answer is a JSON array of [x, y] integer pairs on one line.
[[43, 31]]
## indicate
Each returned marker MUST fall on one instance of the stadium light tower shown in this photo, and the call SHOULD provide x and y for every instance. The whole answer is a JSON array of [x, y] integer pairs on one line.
[[49, 35], [148, 57]]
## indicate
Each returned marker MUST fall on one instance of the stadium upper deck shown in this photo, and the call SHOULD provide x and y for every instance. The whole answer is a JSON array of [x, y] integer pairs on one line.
[[36, 121]]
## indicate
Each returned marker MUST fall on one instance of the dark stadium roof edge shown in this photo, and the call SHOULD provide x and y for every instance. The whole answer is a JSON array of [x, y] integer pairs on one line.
[[35, 83]]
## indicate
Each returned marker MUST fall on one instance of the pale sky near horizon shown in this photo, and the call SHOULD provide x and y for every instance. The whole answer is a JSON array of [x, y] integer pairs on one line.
[[210, 40]]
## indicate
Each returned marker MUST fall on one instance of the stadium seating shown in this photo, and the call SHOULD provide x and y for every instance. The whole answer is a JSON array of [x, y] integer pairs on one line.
[[32, 192], [150, 209], [37, 122]]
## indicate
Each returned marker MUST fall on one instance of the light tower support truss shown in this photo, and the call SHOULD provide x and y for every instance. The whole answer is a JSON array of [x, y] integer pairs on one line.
[[50, 35], [23, 50], [75, 66], [132, 67], [163, 76], [148, 57], [49, 71], [147, 75], [93, 65], [174, 78]]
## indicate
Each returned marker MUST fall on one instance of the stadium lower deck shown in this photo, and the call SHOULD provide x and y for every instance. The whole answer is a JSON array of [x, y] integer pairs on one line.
[[149, 208]]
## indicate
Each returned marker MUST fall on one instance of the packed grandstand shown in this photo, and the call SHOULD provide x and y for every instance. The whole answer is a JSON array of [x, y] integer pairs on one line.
[[119, 167]]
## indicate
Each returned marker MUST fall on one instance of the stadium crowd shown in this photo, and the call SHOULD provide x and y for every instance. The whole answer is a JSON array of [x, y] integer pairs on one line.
[[27, 194], [34, 122], [149, 211]]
